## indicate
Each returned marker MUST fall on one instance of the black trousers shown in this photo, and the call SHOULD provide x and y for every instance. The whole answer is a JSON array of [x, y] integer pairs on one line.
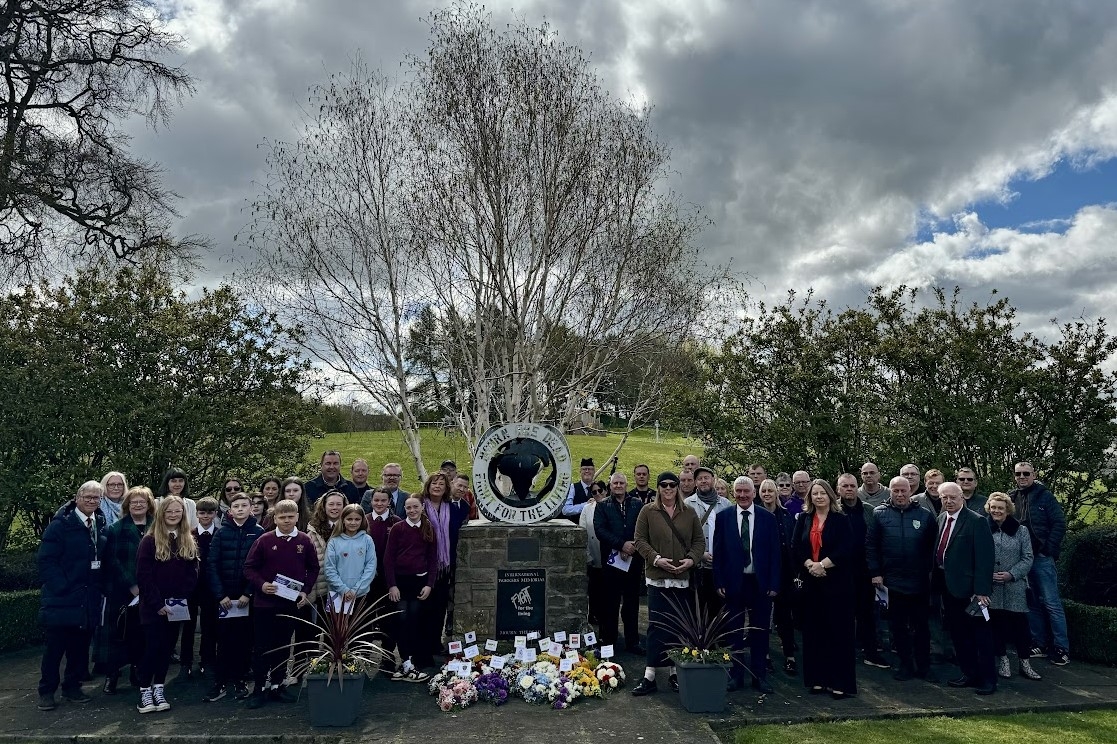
[[434, 614], [908, 624], [412, 622], [1011, 627], [865, 613], [72, 643], [709, 601], [621, 596], [783, 618], [203, 611], [595, 591], [378, 593], [973, 641], [747, 603], [159, 642], [271, 640], [234, 650], [660, 638]]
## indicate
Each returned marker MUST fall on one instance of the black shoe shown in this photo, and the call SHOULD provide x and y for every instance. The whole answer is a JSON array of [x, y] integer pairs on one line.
[[109, 687], [133, 679], [186, 672], [876, 660], [789, 666], [927, 676], [962, 681], [637, 649], [76, 696], [985, 690], [202, 670], [673, 681], [646, 687], [282, 695], [240, 691], [817, 690], [174, 657], [215, 693], [733, 685], [257, 700], [763, 686], [838, 695], [47, 702], [903, 674], [769, 665]]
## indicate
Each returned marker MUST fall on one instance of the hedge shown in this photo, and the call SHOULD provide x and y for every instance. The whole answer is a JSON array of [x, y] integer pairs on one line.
[[1088, 565], [1092, 631], [19, 619], [18, 571]]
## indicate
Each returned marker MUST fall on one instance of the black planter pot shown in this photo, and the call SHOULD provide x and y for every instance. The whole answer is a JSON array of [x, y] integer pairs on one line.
[[336, 703]]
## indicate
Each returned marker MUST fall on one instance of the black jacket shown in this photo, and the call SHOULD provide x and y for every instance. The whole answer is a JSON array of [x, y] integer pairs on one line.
[[613, 528], [71, 594], [1039, 511], [900, 546], [227, 553]]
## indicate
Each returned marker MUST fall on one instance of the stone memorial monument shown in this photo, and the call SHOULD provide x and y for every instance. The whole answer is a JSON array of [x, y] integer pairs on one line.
[[523, 567]]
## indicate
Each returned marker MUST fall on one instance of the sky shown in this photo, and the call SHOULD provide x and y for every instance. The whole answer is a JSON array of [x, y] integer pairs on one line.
[[835, 146]]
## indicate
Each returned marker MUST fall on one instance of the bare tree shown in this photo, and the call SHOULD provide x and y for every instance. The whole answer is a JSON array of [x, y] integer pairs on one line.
[[500, 190], [71, 70]]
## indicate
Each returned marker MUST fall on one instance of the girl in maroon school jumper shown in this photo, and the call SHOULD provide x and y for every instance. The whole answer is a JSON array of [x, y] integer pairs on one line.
[[411, 568], [166, 573]]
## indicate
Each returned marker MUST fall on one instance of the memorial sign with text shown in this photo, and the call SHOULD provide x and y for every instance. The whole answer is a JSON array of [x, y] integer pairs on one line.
[[521, 473], [521, 601]]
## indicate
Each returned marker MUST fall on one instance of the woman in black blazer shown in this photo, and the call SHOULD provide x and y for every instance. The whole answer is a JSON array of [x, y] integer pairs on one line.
[[823, 547]]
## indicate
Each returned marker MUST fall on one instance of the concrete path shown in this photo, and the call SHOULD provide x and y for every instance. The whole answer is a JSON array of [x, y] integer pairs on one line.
[[396, 711]]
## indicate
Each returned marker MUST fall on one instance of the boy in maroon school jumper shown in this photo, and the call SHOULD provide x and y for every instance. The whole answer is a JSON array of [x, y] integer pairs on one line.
[[289, 552]]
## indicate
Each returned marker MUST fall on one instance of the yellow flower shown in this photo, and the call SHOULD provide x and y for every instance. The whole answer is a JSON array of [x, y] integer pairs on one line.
[[686, 649], [694, 652], [726, 657]]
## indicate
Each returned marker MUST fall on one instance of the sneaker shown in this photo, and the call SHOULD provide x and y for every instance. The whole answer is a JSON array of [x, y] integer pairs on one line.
[[1059, 657], [257, 700], [398, 676], [240, 691], [159, 698], [76, 696], [147, 701], [876, 660], [215, 693], [1038, 653], [416, 676], [47, 702]]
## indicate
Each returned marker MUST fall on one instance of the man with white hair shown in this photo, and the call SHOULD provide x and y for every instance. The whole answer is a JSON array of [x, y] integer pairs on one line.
[[70, 555]]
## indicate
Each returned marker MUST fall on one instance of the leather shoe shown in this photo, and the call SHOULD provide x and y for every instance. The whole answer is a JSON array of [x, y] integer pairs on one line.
[[962, 681], [110, 685], [673, 680], [985, 690], [646, 687], [763, 686], [733, 685], [903, 674]]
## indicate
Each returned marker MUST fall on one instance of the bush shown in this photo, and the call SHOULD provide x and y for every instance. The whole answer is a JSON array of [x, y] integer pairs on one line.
[[1092, 631], [18, 571], [19, 620], [1088, 565]]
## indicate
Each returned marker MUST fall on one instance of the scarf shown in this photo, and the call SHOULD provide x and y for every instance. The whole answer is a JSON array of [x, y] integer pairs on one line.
[[111, 510], [440, 520], [709, 498]]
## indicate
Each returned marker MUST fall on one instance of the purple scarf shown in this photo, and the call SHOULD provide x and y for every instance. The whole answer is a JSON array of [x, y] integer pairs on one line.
[[440, 519]]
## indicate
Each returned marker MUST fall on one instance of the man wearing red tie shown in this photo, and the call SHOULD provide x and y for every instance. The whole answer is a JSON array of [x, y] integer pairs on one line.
[[964, 568]]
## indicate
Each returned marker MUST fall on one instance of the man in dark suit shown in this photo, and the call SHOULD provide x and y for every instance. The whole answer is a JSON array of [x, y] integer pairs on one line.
[[964, 566], [390, 477], [747, 573]]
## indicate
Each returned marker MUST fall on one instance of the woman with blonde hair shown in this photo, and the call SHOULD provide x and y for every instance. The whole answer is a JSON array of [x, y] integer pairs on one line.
[[166, 573], [1008, 604]]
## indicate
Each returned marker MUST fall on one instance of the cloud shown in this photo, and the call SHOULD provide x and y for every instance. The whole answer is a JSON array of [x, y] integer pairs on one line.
[[819, 137]]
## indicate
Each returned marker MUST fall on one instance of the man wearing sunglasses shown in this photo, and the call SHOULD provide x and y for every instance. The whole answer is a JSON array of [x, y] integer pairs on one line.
[[967, 479], [1039, 511]]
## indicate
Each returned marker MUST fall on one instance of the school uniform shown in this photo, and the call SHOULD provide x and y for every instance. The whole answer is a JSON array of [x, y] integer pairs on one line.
[[410, 563]]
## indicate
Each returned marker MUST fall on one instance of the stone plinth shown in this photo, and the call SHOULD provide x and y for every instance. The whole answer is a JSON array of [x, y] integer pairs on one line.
[[484, 548]]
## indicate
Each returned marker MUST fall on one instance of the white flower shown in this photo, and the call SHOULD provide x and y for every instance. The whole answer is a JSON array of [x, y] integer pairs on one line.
[[527, 681]]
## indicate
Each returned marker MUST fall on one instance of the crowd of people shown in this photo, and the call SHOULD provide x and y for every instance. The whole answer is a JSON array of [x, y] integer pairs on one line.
[[131, 576], [823, 564]]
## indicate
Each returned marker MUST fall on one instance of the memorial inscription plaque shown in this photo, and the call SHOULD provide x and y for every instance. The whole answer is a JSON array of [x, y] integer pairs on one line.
[[521, 601]]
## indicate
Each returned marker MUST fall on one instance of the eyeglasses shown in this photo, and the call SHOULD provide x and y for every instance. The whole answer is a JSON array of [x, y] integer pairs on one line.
[[783, 485], [1023, 473], [233, 489], [90, 497], [668, 485], [802, 483], [967, 480]]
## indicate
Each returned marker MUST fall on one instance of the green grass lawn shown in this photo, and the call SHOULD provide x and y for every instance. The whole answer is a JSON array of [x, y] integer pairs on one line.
[[379, 447], [1090, 727]]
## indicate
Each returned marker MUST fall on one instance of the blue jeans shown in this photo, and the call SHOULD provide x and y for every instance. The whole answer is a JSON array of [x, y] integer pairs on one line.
[[1046, 618]]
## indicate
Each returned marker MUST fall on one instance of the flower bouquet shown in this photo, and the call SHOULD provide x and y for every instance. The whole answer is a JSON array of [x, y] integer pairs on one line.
[[459, 693], [561, 692], [534, 683], [492, 688], [610, 676], [585, 682]]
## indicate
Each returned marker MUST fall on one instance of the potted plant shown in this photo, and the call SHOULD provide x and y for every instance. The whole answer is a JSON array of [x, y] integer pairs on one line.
[[345, 649], [700, 654]]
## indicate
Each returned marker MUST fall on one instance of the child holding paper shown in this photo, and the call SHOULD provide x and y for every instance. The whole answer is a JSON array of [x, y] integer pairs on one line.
[[411, 567], [350, 556], [287, 552], [166, 573], [203, 607], [225, 570]]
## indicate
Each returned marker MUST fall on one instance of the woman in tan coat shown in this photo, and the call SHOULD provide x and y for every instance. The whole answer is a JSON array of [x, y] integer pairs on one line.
[[669, 538]]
